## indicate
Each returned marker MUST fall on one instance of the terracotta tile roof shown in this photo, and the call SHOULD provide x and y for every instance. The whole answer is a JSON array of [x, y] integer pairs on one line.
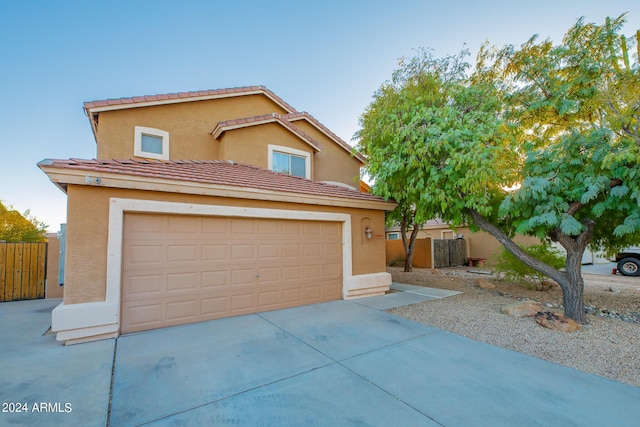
[[258, 120], [215, 172], [304, 115], [187, 96]]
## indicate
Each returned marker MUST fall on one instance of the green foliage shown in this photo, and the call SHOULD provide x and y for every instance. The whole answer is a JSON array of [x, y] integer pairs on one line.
[[426, 130], [562, 121], [511, 268], [15, 227]]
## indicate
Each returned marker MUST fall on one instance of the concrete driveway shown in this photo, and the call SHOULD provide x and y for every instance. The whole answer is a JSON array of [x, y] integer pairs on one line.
[[338, 363]]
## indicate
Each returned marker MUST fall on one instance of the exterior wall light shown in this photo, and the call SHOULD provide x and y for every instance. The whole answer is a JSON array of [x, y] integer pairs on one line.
[[368, 232]]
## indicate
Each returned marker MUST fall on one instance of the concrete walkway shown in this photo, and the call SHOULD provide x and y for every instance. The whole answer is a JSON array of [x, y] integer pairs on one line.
[[337, 363]]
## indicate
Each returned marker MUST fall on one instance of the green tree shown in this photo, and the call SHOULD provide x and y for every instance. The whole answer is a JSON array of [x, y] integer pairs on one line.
[[15, 227], [558, 120]]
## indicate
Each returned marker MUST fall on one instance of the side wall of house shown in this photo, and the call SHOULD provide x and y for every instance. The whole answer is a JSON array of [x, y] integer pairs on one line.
[[333, 163], [250, 145], [190, 124], [87, 234], [53, 288]]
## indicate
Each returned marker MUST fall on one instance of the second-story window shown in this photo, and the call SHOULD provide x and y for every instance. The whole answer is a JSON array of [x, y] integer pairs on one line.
[[290, 161], [151, 143]]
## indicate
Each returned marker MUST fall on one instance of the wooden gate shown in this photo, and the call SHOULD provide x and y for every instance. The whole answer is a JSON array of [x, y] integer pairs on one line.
[[449, 252], [23, 268]]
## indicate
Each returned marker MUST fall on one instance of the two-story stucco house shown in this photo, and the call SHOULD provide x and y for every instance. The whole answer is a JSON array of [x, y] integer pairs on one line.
[[209, 204]]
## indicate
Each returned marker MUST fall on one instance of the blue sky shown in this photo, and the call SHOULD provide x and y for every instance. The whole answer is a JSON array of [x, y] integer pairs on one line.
[[325, 57]]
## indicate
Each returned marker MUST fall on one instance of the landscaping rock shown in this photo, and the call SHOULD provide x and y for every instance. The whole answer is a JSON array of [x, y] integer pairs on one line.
[[549, 284], [484, 284], [523, 309], [558, 322]]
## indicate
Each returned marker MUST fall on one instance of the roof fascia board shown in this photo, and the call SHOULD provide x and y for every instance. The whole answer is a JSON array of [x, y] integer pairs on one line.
[[218, 131], [61, 176], [189, 99], [324, 132]]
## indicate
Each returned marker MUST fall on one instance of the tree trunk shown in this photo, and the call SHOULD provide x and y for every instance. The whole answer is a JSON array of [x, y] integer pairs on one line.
[[408, 245], [569, 280], [573, 294]]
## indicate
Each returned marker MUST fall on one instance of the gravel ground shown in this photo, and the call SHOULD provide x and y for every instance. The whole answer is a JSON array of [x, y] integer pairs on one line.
[[609, 345]]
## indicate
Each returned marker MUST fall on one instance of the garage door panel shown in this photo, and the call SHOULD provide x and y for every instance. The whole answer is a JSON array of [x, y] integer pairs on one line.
[[177, 225], [292, 295], [242, 252], [212, 267], [214, 279], [182, 281], [143, 254], [243, 226], [214, 307], [242, 302], [214, 252], [144, 316], [268, 299], [183, 253], [269, 275], [146, 284], [268, 227], [312, 293], [269, 250], [291, 250], [218, 226], [147, 225], [182, 311]]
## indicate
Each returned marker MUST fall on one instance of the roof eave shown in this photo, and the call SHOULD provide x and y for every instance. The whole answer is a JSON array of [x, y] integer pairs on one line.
[[258, 91], [313, 122], [62, 177]]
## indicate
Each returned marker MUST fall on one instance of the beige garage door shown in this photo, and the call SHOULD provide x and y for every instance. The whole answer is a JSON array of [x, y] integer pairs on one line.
[[180, 269]]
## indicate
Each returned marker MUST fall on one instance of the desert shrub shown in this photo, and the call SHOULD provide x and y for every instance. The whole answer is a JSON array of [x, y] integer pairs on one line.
[[397, 262], [511, 268]]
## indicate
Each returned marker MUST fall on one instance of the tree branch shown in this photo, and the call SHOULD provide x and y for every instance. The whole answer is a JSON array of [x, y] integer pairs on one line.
[[512, 247]]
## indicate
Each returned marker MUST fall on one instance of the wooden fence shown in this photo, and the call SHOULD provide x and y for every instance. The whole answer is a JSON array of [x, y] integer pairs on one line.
[[421, 252], [449, 252], [23, 268]]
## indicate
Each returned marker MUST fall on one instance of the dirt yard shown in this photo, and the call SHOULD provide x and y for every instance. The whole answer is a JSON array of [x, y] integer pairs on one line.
[[604, 295]]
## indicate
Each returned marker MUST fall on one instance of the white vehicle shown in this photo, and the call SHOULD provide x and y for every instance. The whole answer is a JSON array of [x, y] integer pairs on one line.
[[629, 261]]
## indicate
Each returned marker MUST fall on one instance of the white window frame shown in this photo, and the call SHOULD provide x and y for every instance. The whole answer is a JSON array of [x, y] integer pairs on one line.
[[291, 151], [395, 234], [137, 143]]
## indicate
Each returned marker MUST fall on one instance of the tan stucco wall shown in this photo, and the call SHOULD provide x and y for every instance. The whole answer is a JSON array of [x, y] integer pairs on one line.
[[53, 288], [480, 244], [250, 145], [189, 125], [421, 252], [87, 228], [332, 163]]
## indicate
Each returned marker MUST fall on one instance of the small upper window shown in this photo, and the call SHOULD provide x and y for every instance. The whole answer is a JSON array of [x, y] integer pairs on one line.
[[151, 143], [393, 236], [290, 161]]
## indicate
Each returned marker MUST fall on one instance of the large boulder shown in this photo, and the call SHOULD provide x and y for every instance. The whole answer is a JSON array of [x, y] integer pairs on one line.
[[555, 321], [523, 308]]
